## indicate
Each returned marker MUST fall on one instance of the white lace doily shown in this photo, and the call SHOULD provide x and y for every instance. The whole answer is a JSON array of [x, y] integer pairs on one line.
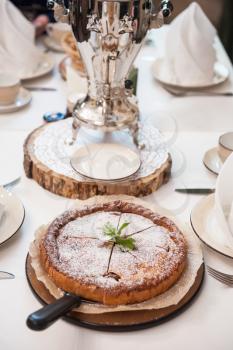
[[50, 147]]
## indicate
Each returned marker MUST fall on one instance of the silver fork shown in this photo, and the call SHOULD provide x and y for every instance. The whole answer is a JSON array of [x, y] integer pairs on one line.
[[220, 276], [6, 275], [186, 93]]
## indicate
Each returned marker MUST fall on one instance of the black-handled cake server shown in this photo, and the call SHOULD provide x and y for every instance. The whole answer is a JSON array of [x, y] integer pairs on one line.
[[47, 315]]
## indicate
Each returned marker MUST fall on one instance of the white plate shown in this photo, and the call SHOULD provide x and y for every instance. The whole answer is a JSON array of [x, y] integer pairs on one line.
[[206, 227], [12, 160], [212, 161], [221, 74], [44, 67], [13, 216], [23, 99], [106, 161], [52, 44]]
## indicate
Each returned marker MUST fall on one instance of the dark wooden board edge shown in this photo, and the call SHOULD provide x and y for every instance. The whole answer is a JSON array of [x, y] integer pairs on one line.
[[123, 321]]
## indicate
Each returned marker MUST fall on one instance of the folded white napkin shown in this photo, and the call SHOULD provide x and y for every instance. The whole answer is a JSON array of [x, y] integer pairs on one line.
[[224, 201], [18, 53], [189, 51]]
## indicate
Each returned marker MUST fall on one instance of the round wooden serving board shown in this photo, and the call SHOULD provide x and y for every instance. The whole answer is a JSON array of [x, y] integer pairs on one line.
[[47, 161], [116, 321]]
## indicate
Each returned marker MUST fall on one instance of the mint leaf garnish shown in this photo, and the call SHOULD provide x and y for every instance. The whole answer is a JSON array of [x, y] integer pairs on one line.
[[115, 235]]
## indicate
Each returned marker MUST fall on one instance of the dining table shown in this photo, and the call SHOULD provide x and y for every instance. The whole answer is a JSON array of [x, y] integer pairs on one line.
[[191, 125]]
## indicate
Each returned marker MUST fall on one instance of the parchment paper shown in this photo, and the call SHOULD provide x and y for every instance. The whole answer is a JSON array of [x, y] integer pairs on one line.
[[170, 297]]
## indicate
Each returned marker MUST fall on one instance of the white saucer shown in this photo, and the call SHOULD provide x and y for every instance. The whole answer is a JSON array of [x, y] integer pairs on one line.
[[13, 216], [161, 75], [44, 67], [206, 227], [52, 44], [212, 161], [23, 99], [105, 161]]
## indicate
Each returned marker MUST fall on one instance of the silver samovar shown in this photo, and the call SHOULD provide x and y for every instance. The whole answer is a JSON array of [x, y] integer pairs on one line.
[[109, 35]]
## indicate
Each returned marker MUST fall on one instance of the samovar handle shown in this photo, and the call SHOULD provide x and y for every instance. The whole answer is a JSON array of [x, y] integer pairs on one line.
[[61, 13], [166, 8], [158, 14]]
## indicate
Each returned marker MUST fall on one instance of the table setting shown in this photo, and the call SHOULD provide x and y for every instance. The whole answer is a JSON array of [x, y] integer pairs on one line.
[[116, 209], [30, 62]]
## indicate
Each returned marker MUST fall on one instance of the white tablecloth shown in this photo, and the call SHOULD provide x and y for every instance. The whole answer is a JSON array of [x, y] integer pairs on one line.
[[208, 322]]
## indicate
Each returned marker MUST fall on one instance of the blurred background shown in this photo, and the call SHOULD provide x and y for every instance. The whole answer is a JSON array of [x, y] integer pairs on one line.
[[220, 12], [213, 8]]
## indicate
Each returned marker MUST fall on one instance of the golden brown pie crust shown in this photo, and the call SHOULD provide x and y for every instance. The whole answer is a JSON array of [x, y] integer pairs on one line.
[[143, 273]]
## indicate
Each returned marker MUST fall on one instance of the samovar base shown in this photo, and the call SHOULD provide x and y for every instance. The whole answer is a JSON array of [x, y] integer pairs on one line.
[[133, 130], [124, 115]]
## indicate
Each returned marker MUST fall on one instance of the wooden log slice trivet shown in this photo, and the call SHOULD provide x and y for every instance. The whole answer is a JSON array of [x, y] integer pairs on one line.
[[47, 161], [116, 321]]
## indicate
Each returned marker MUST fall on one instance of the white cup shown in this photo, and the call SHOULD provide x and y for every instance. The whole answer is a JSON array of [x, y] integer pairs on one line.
[[56, 31], [225, 145], [9, 88]]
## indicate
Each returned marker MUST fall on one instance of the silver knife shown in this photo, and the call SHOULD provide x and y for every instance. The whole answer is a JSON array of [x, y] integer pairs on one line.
[[6, 275], [195, 190], [37, 88]]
